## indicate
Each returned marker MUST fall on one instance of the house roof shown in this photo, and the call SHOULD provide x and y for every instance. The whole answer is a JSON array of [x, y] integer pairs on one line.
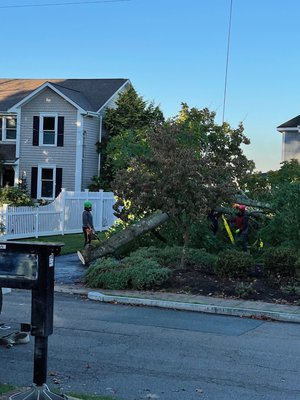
[[292, 123], [89, 94]]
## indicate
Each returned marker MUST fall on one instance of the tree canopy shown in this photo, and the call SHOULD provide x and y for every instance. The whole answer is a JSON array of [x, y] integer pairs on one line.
[[192, 164], [126, 125]]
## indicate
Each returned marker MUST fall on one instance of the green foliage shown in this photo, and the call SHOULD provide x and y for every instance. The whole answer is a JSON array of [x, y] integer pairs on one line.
[[14, 196], [264, 186], [291, 289], [166, 257], [201, 258], [130, 273], [280, 261], [243, 289], [283, 227], [233, 264], [126, 125], [145, 268], [6, 388], [131, 112], [191, 165], [281, 190]]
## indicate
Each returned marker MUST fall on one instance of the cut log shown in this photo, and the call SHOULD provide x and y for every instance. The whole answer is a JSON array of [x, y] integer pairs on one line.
[[110, 245]]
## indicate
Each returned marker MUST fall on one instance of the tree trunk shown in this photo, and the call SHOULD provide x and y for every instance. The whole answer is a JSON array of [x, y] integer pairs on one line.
[[110, 245]]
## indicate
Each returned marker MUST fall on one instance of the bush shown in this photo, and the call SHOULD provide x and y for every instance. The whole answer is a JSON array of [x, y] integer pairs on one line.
[[130, 273], [243, 290], [280, 261], [168, 256], [291, 289], [233, 264], [201, 258], [14, 196]]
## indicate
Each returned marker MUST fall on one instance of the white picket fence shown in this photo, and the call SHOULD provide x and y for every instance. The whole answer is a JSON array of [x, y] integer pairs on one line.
[[63, 215]]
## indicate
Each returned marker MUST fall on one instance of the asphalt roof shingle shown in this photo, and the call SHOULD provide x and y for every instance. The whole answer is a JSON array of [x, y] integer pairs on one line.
[[292, 123], [89, 94]]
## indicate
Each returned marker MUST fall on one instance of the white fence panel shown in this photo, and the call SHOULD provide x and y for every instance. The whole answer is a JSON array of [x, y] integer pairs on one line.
[[63, 215]]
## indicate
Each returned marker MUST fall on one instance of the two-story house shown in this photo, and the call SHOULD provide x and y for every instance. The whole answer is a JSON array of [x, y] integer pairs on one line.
[[49, 130], [290, 131]]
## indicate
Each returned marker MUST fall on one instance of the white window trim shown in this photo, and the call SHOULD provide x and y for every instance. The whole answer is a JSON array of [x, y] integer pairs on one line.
[[39, 181], [41, 132], [4, 138]]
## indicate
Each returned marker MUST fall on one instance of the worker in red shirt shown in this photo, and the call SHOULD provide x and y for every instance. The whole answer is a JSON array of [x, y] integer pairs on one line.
[[241, 227]]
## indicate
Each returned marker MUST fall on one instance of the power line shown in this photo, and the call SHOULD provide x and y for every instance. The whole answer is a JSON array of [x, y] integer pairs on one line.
[[227, 60], [71, 3]]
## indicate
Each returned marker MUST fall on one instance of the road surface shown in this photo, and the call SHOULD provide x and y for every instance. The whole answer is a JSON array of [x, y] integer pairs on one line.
[[136, 353]]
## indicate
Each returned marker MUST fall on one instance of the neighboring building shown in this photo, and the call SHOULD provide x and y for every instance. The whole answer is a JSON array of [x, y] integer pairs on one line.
[[290, 139], [49, 130]]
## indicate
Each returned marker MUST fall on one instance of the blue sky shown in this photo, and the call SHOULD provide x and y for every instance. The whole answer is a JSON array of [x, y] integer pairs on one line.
[[173, 51]]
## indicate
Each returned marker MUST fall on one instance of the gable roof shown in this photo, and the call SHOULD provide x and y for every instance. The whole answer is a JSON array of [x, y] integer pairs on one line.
[[88, 94], [292, 123]]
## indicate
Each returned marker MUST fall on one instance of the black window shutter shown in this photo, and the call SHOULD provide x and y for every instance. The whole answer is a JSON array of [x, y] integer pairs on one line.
[[36, 131], [58, 181], [34, 175], [0, 128], [60, 131]]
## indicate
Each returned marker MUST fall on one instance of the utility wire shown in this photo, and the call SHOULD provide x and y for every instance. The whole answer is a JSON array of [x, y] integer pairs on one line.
[[71, 3], [227, 60]]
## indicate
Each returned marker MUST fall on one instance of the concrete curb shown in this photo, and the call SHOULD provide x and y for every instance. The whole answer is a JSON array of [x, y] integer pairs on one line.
[[198, 307]]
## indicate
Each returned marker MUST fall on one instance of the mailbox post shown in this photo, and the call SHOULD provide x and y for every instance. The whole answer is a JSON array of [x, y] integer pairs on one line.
[[30, 266]]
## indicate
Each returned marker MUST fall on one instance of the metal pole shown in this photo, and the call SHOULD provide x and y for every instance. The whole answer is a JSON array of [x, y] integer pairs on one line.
[[40, 360]]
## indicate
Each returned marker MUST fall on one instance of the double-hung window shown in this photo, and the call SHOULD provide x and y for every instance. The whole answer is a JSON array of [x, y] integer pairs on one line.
[[8, 128], [46, 182], [48, 129]]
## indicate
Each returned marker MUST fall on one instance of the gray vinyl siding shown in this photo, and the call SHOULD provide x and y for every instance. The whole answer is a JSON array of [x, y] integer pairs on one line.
[[291, 145], [91, 126], [62, 157]]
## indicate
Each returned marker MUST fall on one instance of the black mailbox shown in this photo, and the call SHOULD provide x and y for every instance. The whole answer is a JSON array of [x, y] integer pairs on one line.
[[30, 265]]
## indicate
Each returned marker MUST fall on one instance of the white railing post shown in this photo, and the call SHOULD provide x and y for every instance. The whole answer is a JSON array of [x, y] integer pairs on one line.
[[37, 222], [63, 210], [101, 209]]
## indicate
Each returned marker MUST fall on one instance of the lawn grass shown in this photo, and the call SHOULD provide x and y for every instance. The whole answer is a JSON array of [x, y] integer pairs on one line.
[[71, 242], [5, 388]]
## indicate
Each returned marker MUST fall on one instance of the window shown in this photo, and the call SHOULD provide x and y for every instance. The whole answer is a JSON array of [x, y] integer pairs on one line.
[[11, 128], [47, 182], [8, 128], [48, 131]]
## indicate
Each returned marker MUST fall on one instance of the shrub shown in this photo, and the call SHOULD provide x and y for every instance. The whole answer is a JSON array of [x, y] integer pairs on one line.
[[243, 290], [291, 289], [168, 256], [280, 261], [201, 258], [233, 264], [107, 273], [297, 268], [130, 273], [14, 196]]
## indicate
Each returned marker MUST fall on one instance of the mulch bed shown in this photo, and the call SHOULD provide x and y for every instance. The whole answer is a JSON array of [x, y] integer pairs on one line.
[[201, 281]]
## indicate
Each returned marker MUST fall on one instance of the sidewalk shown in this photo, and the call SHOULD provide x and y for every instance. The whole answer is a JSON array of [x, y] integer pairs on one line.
[[212, 305]]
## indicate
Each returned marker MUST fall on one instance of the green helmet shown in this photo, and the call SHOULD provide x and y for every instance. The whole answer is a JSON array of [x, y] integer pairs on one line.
[[87, 204]]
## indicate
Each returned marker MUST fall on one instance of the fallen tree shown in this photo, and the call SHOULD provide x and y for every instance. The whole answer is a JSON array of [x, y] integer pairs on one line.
[[145, 225], [110, 245]]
